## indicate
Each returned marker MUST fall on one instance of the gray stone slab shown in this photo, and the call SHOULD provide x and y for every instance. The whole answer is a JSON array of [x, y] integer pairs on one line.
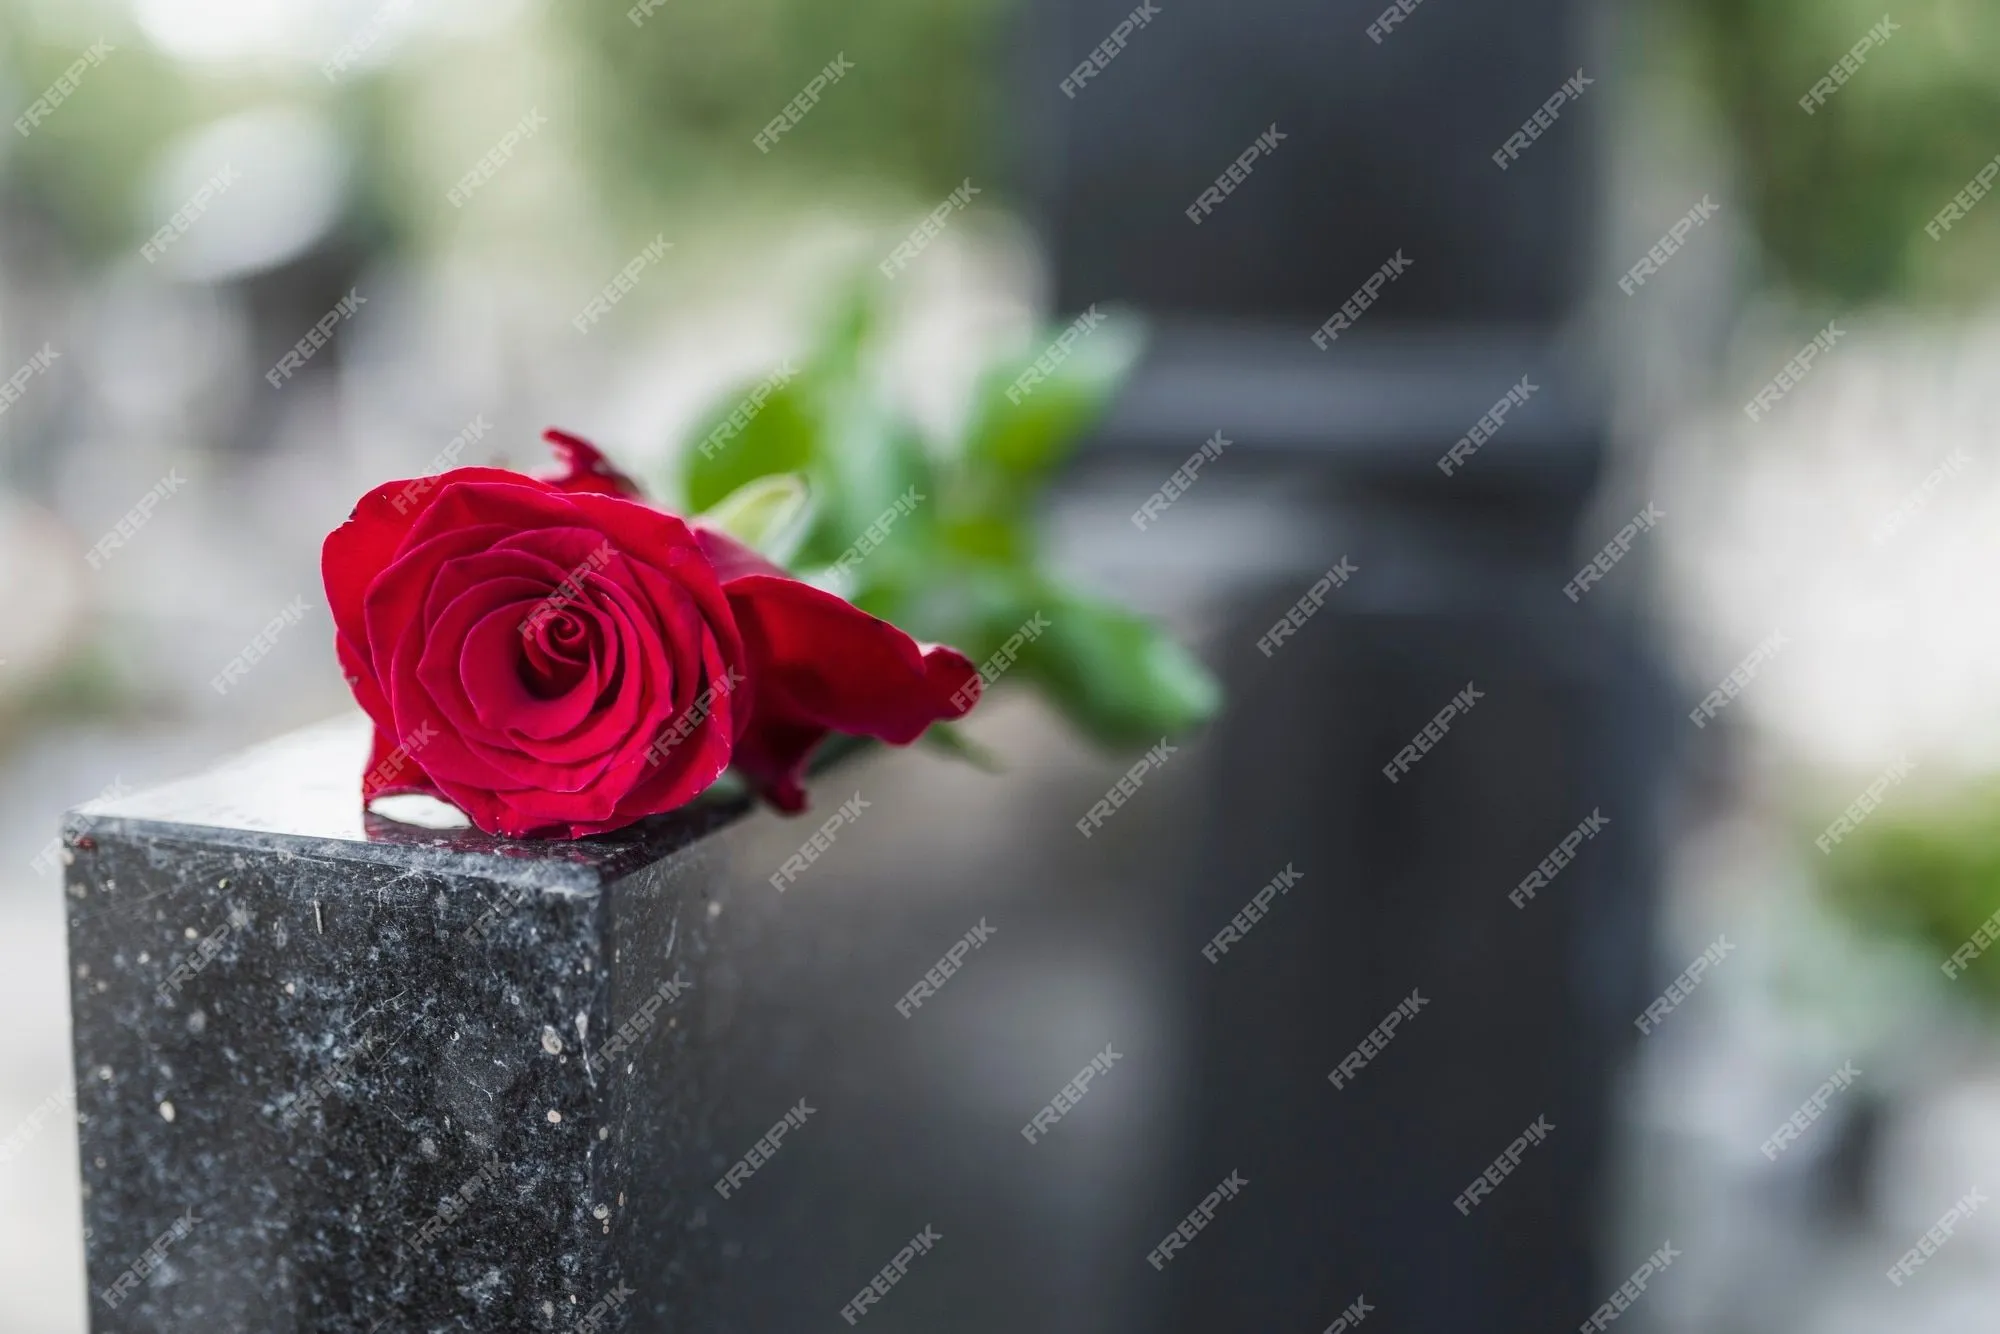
[[340, 1073]]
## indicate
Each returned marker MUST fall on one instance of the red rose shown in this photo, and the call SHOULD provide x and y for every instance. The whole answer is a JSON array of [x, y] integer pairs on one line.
[[820, 663], [555, 656], [823, 665], [550, 661]]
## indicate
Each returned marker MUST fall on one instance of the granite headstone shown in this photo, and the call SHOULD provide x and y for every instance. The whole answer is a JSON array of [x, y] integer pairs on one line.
[[337, 1072]]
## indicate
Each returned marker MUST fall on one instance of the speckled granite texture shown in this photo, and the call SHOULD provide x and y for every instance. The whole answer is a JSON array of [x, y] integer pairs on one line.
[[337, 1073]]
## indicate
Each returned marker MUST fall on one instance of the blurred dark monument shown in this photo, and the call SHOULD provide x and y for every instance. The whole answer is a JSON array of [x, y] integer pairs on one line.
[[1387, 150]]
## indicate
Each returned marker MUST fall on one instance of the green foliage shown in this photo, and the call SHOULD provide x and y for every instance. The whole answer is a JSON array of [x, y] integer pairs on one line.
[[769, 515], [949, 739], [830, 424], [872, 466], [776, 440], [1933, 876], [939, 536], [680, 98], [1115, 675], [81, 163], [1841, 197], [1012, 443]]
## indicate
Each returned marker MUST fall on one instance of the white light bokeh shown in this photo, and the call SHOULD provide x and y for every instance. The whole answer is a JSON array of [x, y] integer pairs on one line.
[[239, 32], [287, 173], [235, 30], [1774, 528]]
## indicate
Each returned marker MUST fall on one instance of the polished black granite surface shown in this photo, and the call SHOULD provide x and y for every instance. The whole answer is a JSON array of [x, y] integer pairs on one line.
[[340, 1073]]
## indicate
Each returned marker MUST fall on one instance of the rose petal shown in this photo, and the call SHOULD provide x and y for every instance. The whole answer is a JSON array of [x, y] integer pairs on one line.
[[393, 770], [354, 553], [582, 467], [823, 665]]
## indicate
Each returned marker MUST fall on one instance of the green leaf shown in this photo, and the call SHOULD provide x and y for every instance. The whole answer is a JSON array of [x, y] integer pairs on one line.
[[870, 476], [770, 514], [1927, 869], [876, 484], [1115, 674], [755, 432], [953, 741], [1019, 428], [992, 538]]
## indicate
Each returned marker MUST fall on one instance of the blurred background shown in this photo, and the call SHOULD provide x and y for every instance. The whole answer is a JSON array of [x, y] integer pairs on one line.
[[192, 185]]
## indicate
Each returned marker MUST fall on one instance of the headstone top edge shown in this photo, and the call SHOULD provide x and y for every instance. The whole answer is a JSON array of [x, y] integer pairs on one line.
[[300, 793]]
